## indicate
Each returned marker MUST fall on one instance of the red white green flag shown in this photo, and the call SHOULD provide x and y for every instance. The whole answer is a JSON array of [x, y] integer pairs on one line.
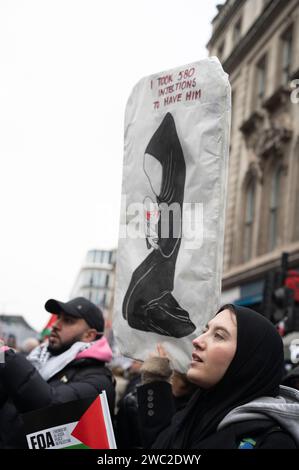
[[80, 424], [47, 329]]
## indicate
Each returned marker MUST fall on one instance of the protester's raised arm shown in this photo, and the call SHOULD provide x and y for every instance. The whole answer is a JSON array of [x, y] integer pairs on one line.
[[155, 401]]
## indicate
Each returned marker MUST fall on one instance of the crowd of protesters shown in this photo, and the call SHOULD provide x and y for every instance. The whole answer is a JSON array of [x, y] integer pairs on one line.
[[235, 394]]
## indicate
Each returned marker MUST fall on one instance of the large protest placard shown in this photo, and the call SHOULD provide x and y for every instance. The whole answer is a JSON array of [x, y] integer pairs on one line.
[[170, 250], [79, 424]]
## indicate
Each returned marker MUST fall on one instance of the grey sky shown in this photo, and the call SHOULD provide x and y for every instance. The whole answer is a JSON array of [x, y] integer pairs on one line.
[[66, 70]]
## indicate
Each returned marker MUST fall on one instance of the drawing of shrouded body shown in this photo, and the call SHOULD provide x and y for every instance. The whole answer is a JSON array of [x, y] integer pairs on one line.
[[149, 304]]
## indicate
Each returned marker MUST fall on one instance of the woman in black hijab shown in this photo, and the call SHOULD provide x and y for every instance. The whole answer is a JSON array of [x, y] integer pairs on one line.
[[238, 366]]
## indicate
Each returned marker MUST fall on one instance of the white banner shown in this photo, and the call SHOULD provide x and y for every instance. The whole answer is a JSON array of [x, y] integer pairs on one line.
[[170, 249]]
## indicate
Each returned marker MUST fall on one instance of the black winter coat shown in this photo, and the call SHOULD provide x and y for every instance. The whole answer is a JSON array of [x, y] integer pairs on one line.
[[157, 416], [22, 389], [127, 425]]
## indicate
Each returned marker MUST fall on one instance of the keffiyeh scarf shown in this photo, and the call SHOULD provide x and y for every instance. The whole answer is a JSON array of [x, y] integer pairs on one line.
[[49, 365]]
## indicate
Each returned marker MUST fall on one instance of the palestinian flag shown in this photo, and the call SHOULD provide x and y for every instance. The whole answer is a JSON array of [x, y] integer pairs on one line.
[[80, 424], [47, 330]]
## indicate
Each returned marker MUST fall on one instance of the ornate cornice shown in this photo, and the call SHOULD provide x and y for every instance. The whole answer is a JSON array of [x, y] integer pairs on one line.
[[266, 132], [295, 75], [271, 141], [254, 170], [280, 97], [252, 123]]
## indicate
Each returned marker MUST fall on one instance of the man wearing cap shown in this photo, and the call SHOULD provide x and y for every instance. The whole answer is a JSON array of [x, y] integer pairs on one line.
[[70, 366]]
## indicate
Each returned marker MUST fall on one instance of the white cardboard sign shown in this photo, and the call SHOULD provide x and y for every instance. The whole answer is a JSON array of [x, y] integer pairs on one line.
[[170, 251]]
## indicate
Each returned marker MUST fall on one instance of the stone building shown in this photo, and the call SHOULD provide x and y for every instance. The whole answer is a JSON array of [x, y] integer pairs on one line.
[[257, 42], [14, 329], [96, 280]]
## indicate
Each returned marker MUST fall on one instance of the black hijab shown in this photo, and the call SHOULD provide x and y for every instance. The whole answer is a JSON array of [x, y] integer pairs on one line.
[[255, 371]]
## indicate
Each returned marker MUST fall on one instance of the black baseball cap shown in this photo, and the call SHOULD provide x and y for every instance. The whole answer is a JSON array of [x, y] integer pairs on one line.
[[79, 308]]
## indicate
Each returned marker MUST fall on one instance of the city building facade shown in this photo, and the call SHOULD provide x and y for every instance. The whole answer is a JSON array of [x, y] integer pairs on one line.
[[14, 329], [257, 42], [96, 280]]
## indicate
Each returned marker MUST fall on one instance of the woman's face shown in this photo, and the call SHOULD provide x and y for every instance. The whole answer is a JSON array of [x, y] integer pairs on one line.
[[214, 350]]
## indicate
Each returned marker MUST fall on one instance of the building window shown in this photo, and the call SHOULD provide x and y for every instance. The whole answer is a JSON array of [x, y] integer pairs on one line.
[[296, 218], [97, 256], [249, 219], [91, 256], [107, 257], [85, 277], [220, 50], [237, 31], [98, 279], [286, 51], [97, 282], [234, 112], [261, 75], [274, 208]]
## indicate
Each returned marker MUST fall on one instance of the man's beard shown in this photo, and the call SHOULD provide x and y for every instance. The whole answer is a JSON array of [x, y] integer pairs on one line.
[[55, 351]]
